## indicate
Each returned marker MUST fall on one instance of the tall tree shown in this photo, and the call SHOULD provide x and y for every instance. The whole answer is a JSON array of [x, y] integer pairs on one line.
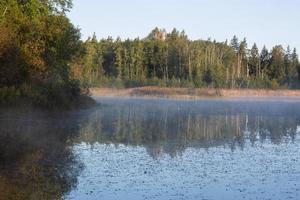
[[295, 63], [277, 70], [38, 44], [235, 43], [174, 59], [242, 55], [264, 61], [254, 62]]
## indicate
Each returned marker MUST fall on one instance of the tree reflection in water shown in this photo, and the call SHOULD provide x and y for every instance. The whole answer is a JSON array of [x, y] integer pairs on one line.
[[36, 160], [171, 127]]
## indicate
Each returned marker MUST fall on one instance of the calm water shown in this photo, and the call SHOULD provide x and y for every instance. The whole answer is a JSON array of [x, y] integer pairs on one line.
[[153, 149]]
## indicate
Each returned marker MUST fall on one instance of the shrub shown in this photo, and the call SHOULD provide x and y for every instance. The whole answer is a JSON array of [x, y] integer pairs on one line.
[[9, 94], [274, 84]]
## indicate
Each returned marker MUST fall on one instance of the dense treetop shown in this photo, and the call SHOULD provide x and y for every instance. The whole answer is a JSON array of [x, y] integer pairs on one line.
[[37, 45], [174, 60]]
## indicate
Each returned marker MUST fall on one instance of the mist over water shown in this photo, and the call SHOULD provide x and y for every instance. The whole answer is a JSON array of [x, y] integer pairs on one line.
[[153, 149]]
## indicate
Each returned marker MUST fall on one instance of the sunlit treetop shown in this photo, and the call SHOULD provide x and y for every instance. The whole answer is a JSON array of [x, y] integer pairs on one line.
[[34, 8]]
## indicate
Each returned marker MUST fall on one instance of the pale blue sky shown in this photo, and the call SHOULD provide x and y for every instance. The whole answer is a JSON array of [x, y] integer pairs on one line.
[[267, 22]]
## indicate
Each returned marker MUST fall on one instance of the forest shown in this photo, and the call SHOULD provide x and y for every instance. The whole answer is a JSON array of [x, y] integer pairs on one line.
[[173, 60], [37, 45], [44, 61]]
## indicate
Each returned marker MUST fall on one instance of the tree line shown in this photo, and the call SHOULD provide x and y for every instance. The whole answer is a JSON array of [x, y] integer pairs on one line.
[[44, 61], [172, 59]]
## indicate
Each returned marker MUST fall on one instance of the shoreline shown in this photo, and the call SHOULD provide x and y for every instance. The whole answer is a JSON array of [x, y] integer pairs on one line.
[[194, 93], [82, 102]]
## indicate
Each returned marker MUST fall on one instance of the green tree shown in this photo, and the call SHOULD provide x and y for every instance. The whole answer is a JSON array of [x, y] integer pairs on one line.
[[173, 59], [242, 59], [277, 70], [254, 62], [264, 61], [38, 44]]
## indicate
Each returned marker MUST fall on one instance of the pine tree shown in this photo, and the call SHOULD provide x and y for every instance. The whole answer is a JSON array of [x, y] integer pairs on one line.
[[182, 60], [277, 70], [295, 63], [254, 62], [235, 43], [119, 58], [289, 71], [264, 61], [242, 61]]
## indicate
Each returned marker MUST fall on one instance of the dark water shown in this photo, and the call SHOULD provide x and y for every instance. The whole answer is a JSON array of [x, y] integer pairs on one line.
[[153, 149]]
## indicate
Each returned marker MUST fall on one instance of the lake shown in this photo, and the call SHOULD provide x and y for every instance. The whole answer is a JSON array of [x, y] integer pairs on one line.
[[130, 148]]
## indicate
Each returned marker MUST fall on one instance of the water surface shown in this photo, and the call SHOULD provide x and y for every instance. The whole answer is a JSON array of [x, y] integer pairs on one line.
[[153, 149]]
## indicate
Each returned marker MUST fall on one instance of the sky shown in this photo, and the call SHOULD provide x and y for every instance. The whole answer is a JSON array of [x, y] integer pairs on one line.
[[266, 22]]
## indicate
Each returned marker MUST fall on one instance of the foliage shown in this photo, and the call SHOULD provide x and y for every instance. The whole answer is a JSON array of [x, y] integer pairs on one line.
[[171, 59], [37, 45], [43, 60]]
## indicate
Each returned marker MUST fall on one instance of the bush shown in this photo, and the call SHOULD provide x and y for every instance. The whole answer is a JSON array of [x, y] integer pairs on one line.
[[58, 94], [46, 94], [242, 82], [173, 82], [9, 94], [198, 83], [274, 84], [251, 82], [109, 82]]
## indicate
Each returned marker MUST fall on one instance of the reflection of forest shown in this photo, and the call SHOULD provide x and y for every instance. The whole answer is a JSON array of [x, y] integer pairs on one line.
[[171, 131], [35, 160]]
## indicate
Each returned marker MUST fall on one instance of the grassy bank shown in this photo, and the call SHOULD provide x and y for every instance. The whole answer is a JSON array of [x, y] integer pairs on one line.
[[191, 93]]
